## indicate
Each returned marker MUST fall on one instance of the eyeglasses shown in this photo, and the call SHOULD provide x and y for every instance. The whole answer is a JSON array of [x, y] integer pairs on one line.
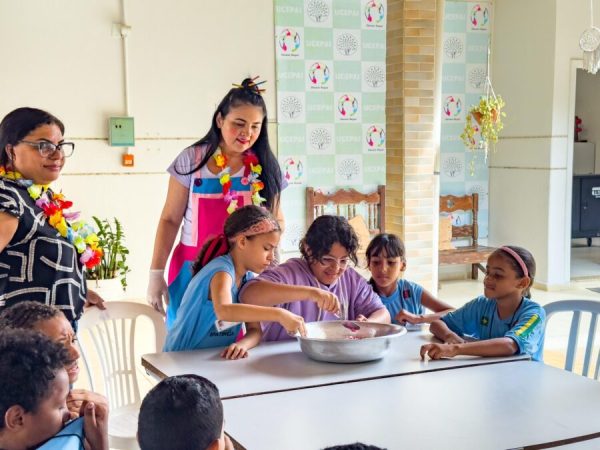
[[48, 149], [330, 261]]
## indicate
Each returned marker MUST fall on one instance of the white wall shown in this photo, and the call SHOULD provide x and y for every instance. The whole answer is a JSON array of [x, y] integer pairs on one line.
[[587, 107], [60, 55], [523, 166], [535, 52]]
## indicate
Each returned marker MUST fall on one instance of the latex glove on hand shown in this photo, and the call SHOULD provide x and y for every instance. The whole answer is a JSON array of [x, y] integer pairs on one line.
[[157, 290]]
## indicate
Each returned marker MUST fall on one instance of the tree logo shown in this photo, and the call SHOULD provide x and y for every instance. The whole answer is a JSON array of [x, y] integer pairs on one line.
[[291, 106], [320, 138], [317, 10], [375, 76], [346, 44]]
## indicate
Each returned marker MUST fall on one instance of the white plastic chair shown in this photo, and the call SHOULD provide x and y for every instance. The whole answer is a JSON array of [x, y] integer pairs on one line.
[[112, 332], [577, 307]]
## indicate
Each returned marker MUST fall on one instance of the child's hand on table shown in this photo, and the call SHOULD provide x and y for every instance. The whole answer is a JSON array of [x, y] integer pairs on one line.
[[361, 318], [237, 350], [454, 338], [438, 351], [404, 316]]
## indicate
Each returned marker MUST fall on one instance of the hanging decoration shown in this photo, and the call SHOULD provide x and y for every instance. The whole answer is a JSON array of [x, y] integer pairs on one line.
[[484, 120], [589, 42]]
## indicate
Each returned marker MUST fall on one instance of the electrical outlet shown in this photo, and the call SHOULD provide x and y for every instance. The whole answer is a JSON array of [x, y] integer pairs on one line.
[[121, 132]]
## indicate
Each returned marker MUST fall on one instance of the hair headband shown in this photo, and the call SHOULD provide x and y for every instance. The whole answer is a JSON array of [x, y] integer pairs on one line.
[[252, 85], [517, 258], [266, 225]]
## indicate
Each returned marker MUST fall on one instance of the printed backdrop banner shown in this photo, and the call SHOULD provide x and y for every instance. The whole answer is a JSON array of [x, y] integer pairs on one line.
[[464, 71], [330, 57]]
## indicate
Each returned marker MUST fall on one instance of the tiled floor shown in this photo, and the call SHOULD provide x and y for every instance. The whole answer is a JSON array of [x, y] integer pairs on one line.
[[585, 261]]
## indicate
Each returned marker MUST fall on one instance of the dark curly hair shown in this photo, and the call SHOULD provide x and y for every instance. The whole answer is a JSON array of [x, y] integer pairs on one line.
[[180, 413], [323, 233], [355, 446], [29, 362], [19, 123], [26, 314]]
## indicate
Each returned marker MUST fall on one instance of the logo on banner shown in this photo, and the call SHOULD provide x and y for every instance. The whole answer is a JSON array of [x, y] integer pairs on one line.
[[293, 170], [347, 106], [480, 17], [289, 41], [452, 107], [374, 12], [375, 137], [319, 74]]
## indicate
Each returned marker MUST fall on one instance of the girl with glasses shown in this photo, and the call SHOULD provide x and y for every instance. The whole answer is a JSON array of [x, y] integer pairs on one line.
[[328, 249]]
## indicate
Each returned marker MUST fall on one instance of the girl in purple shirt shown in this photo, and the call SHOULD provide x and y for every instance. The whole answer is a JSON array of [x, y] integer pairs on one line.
[[328, 248]]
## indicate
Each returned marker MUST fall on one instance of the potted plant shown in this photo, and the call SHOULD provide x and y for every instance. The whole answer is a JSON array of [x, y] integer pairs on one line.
[[113, 265], [484, 118]]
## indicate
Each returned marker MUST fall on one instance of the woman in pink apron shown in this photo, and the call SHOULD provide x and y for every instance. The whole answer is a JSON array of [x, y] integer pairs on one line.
[[232, 166]]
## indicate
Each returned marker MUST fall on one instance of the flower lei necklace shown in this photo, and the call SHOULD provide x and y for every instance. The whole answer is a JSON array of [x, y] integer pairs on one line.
[[55, 206], [252, 170]]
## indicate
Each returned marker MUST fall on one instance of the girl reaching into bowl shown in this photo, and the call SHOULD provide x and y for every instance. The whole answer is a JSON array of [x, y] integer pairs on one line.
[[328, 249]]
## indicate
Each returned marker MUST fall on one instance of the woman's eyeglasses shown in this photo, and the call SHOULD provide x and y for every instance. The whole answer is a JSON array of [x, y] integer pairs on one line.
[[48, 149], [330, 261]]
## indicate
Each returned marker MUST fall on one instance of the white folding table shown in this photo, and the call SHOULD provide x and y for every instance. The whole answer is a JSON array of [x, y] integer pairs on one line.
[[281, 366], [499, 406]]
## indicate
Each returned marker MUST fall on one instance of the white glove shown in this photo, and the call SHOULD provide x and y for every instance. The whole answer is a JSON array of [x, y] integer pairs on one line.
[[157, 290]]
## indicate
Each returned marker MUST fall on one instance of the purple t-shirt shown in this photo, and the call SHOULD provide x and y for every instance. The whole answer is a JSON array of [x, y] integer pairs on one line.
[[351, 286]]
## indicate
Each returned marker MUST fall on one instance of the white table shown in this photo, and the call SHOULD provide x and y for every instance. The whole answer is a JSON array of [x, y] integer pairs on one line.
[[497, 406], [281, 366]]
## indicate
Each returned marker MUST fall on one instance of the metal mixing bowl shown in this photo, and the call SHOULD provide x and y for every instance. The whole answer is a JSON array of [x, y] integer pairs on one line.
[[333, 342]]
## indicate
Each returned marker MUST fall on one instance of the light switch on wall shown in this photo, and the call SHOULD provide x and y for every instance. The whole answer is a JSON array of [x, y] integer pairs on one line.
[[121, 132]]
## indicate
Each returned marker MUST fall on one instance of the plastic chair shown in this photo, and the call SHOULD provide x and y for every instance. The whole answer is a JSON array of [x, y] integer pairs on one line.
[[577, 307], [112, 332]]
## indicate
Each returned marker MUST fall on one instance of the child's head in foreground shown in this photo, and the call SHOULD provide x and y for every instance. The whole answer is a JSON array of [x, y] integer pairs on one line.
[[33, 390], [182, 413]]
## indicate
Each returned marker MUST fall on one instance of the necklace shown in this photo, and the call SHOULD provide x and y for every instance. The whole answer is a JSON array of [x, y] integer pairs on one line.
[[252, 170], [55, 208]]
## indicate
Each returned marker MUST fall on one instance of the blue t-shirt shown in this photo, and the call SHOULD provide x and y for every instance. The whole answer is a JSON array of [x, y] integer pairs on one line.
[[69, 438], [194, 325], [407, 296], [479, 319]]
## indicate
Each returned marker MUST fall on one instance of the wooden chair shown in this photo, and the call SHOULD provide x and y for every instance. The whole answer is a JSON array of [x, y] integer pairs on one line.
[[347, 203], [473, 254]]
